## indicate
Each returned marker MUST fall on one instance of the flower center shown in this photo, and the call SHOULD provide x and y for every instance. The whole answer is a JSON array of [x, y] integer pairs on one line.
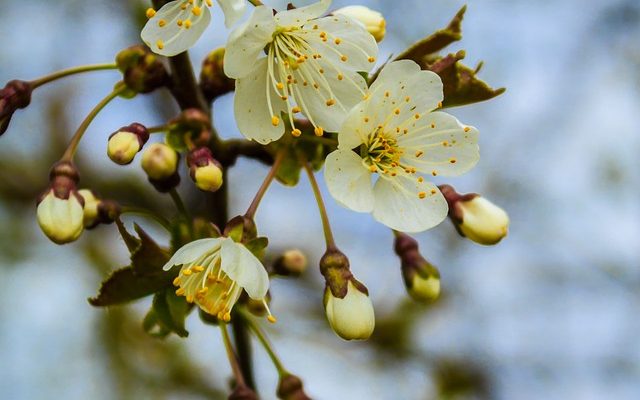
[[382, 154], [209, 287]]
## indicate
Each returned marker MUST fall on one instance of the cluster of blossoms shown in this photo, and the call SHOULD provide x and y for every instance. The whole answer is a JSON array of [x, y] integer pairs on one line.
[[301, 74]]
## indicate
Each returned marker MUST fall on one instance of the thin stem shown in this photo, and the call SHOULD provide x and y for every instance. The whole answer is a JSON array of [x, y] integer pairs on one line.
[[259, 333], [158, 129], [75, 140], [251, 211], [175, 196], [233, 360], [71, 71], [146, 213], [326, 227], [243, 345], [256, 2]]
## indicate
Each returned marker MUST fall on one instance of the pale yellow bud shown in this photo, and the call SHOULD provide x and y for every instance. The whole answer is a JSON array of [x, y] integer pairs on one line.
[[351, 318], [482, 221], [159, 161], [425, 289], [60, 219], [293, 261], [208, 178], [123, 147], [91, 203], [373, 21]]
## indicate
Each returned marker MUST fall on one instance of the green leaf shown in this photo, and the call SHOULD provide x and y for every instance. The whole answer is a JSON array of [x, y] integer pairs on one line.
[[171, 311], [436, 41], [125, 285], [149, 257], [130, 241], [152, 325], [289, 172], [314, 152], [461, 86]]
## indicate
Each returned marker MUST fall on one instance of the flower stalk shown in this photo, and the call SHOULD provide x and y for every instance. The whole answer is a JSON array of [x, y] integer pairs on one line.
[[71, 71], [253, 208]]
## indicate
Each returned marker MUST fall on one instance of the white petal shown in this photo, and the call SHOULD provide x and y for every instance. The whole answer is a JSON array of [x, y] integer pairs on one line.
[[247, 41], [174, 39], [190, 252], [349, 181], [344, 37], [355, 128], [298, 16], [251, 108], [233, 10], [398, 205], [244, 268], [448, 148]]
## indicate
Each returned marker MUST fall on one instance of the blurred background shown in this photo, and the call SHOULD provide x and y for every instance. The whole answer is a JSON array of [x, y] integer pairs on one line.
[[551, 312]]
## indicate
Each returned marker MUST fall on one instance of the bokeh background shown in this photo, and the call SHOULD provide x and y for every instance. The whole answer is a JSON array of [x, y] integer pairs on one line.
[[552, 312]]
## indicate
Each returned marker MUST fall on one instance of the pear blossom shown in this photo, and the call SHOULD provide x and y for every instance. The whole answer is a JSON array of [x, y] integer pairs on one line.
[[214, 273], [396, 137], [311, 66], [180, 23]]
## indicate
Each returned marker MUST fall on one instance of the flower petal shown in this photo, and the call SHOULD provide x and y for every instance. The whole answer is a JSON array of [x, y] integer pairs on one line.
[[251, 107], [355, 128], [349, 181], [168, 34], [247, 41], [298, 16], [233, 10], [398, 204], [244, 268], [444, 146], [344, 42], [190, 252]]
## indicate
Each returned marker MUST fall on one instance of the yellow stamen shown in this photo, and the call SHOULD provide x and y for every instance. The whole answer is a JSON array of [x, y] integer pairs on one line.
[[150, 12]]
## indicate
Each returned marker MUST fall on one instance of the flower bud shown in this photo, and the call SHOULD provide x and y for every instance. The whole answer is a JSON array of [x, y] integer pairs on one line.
[[15, 95], [213, 81], [475, 217], [126, 143], [159, 161], [204, 170], [143, 70], [60, 208], [290, 388], [243, 392], [351, 317], [90, 209], [290, 263], [421, 279], [372, 20]]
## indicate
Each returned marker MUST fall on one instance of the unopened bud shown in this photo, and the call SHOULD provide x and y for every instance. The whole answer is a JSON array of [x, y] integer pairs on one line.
[[421, 279], [475, 217], [242, 392], [126, 143], [159, 161], [290, 388], [351, 317], [60, 210], [372, 20], [204, 170], [91, 202], [143, 70], [14, 96], [290, 263], [213, 81]]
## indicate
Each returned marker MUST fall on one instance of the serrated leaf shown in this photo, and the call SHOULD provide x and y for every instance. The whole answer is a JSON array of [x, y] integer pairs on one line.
[[130, 241], [436, 41], [149, 257], [126, 284], [461, 86]]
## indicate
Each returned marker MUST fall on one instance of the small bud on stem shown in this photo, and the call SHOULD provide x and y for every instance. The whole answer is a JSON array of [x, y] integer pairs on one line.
[[213, 81], [421, 279], [204, 170], [290, 263], [475, 217], [243, 392], [126, 143], [160, 162], [14, 96], [143, 71], [371, 20], [290, 387]]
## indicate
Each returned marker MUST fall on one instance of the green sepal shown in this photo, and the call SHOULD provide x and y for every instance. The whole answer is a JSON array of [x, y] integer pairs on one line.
[[175, 140], [314, 152], [257, 246]]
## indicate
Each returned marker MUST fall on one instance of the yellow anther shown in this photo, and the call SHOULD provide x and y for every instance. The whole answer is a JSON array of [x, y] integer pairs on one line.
[[338, 41], [366, 119], [343, 58], [434, 173], [433, 191], [316, 86], [180, 292], [340, 77], [318, 131], [272, 319], [453, 161], [187, 272], [396, 111], [176, 282], [330, 102], [420, 179], [179, 22], [422, 195], [419, 153], [296, 110], [439, 104], [209, 3], [160, 44], [407, 99], [203, 290], [323, 34], [198, 268], [387, 94], [371, 59], [321, 70], [190, 298], [279, 85], [315, 27], [275, 121], [417, 116], [150, 12], [467, 129], [433, 126], [227, 317], [284, 98], [296, 132], [187, 24], [162, 23], [196, 11], [372, 168]]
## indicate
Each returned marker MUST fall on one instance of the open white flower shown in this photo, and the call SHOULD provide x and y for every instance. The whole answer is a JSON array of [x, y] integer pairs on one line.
[[311, 66], [215, 272], [395, 134], [180, 23]]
